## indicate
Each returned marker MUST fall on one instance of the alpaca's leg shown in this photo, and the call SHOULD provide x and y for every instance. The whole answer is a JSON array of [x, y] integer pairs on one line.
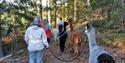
[[56, 35], [79, 47], [78, 50], [75, 49], [71, 47], [76, 45]]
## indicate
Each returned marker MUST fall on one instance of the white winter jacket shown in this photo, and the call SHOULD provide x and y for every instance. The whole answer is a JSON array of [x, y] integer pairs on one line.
[[36, 38]]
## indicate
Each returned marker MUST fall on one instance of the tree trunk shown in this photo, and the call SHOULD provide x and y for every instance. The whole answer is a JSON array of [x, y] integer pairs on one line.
[[41, 10], [120, 3], [75, 9], [39, 7], [88, 2], [62, 7], [48, 4], [109, 9], [55, 11], [1, 49]]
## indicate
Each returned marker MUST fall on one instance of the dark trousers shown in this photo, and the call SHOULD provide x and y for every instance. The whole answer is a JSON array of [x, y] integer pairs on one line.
[[48, 39], [62, 42]]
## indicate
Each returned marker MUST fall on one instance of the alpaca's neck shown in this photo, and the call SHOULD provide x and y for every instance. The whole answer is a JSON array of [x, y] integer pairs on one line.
[[92, 39], [71, 27]]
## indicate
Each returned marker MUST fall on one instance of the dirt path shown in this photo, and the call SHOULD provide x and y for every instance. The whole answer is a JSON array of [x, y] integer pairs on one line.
[[118, 54], [66, 56]]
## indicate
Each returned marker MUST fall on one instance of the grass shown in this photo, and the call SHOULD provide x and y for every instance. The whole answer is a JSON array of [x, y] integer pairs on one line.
[[109, 39]]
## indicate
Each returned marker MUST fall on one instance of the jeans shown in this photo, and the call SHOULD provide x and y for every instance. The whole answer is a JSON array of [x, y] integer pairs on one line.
[[36, 56]]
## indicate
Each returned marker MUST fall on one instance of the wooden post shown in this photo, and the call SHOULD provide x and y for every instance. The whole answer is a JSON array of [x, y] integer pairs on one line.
[[13, 35], [1, 49]]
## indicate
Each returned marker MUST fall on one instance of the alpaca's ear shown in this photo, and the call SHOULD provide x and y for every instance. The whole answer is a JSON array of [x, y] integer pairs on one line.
[[86, 30], [87, 26]]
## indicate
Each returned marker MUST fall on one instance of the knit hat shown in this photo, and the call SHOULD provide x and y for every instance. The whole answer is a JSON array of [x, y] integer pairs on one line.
[[36, 20]]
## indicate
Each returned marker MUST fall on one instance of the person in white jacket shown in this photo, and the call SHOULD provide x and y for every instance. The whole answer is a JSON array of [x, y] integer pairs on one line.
[[36, 39]]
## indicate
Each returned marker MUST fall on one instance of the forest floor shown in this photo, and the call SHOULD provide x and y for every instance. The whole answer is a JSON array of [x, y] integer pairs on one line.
[[67, 57], [118, 53]]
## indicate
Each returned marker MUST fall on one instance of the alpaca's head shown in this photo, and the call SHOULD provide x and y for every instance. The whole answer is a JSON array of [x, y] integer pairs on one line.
[[89, 28]]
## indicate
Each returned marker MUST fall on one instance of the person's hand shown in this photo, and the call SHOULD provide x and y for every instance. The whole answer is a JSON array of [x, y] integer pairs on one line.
[[46, 47]]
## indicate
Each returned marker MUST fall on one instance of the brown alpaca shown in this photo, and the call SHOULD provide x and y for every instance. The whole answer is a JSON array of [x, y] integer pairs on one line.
[[3, 62], [7, 39], [75, 39]]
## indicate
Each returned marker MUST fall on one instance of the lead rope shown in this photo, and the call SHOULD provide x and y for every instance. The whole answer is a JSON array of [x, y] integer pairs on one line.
[[63, 59]]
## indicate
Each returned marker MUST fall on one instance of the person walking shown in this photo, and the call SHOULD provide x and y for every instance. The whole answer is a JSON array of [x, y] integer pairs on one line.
[[48, 30], [55, 32], [36, 39], [62, 34]]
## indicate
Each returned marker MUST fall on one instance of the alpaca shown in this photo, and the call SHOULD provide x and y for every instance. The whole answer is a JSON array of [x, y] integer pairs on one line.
[[7, 39], [97, 53], [3, 62], [75, 39]]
